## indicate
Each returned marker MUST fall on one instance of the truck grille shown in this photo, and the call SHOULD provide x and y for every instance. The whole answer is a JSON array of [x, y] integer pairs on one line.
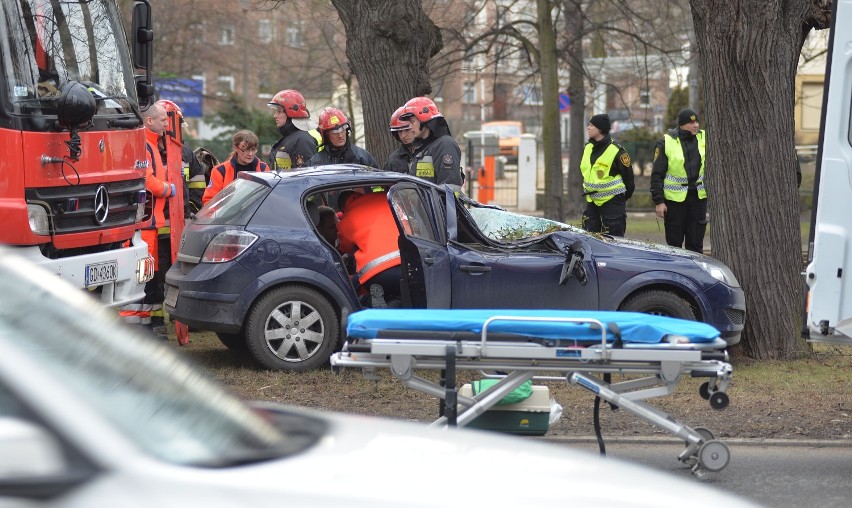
[[73, 207]]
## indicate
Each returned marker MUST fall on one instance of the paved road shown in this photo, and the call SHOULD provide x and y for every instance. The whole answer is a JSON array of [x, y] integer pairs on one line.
[[776, 474]]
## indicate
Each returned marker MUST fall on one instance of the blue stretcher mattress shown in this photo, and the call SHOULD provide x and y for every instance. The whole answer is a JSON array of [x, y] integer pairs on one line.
[[634, 327]]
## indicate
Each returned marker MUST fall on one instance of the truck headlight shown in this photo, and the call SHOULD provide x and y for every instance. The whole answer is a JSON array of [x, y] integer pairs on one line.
[[39, 219], [718, 271]]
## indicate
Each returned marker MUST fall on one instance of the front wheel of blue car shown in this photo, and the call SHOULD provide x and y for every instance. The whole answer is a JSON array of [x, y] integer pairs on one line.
[[659, 303], [291, 328]]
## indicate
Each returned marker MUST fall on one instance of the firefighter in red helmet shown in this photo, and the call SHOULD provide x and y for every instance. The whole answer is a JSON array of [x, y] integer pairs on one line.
[[297, 145], [401, 158], [337, 148], [438, 158]]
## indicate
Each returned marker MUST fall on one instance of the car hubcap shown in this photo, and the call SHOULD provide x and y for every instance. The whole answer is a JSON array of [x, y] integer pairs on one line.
[[294, 331]]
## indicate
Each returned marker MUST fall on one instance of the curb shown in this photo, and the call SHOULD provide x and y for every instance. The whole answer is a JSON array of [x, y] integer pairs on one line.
[[811, 443]]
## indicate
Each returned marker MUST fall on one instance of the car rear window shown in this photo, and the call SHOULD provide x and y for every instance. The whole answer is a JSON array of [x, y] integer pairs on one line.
[[235, 204]]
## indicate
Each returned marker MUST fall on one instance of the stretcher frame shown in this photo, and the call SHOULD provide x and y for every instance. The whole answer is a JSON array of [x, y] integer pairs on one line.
[[513, 361]]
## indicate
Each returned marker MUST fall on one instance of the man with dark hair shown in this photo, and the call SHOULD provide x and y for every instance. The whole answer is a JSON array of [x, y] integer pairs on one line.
[[607, 180], [677, 183]]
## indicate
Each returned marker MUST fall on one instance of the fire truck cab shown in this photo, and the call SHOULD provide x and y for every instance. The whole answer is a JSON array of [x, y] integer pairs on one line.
[[72, 175]]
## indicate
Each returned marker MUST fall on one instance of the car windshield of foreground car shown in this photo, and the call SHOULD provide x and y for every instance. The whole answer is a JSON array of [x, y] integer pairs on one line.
[[235, 204], [143, 389], [503, 226]]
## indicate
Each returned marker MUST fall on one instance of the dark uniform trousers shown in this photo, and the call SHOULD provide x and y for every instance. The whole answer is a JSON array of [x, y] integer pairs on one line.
[[608, 218], [686, 222]]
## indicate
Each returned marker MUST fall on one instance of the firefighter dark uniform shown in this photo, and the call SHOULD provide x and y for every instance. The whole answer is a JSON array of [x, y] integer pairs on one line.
[[297, 145], [193, 175], [677, 180], [607, 185], [337, 147], [438, 158], [226, 172], [349, 154], [400, 160], [293, 150]]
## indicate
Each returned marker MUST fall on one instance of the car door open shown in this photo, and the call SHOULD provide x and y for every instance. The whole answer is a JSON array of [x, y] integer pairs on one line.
[[422, 246]]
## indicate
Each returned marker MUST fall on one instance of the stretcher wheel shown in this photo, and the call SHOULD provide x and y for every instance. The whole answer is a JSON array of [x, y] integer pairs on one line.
[[705, 433], [719, 400], [704, 390], [714, 456]]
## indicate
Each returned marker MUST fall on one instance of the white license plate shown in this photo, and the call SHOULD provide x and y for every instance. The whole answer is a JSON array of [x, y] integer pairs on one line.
[[171, 296], [98, 274]]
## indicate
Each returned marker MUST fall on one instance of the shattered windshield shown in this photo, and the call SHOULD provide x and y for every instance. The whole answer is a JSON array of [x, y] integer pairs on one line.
[[504, 226], [50, 42]]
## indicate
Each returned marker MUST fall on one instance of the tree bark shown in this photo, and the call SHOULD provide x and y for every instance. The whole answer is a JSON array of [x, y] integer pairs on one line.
[[577, 93], [554, 187], [388, 44], [749, 52]]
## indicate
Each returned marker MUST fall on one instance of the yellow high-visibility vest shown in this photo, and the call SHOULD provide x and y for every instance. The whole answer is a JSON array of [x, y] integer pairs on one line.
[[598, 185], [675, 182]]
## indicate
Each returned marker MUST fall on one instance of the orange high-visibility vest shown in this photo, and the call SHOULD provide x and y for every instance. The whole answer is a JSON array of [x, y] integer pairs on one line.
[[368, 225], [223, 174]]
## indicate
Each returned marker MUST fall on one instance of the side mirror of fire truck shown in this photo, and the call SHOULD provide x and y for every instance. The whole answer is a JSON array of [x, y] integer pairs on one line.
[[142, 36]]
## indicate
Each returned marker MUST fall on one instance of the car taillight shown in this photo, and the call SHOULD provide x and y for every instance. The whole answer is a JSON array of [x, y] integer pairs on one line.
[[227, 245]]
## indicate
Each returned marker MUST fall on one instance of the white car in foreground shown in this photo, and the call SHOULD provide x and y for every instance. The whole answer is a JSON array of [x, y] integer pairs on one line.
[[93, 415]]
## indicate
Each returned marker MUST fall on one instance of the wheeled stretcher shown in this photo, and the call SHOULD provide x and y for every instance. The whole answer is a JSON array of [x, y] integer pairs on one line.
[[583, 347]]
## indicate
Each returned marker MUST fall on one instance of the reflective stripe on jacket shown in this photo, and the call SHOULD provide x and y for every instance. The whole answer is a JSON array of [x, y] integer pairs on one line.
[[676, 181], [368, 228], [599, 186]]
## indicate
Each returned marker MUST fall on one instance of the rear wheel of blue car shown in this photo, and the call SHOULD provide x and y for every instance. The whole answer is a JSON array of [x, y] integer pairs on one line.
[[659, 303], [291, 328]]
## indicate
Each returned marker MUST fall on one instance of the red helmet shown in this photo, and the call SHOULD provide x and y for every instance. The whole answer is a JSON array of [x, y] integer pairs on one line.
[[421, 108], [331, 118], [293, 103], [395, 123], [170, 107]]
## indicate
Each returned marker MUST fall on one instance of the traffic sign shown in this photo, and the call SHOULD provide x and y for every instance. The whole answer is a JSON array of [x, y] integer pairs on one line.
[[186, 93], [564, 103]]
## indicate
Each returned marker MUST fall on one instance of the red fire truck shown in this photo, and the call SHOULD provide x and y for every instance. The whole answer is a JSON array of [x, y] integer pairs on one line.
[[72, 171]]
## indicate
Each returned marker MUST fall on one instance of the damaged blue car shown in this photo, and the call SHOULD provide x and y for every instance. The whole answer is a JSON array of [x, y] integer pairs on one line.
[[254, 268]]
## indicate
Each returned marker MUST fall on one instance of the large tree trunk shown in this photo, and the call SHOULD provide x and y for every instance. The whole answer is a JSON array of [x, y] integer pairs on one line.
[[749, 52], [553, 190], [388, 44], [577, 91]]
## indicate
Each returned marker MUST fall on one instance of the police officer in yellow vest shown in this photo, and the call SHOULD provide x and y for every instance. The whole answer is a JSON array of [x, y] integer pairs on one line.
[[677, 183], [607, 180]]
